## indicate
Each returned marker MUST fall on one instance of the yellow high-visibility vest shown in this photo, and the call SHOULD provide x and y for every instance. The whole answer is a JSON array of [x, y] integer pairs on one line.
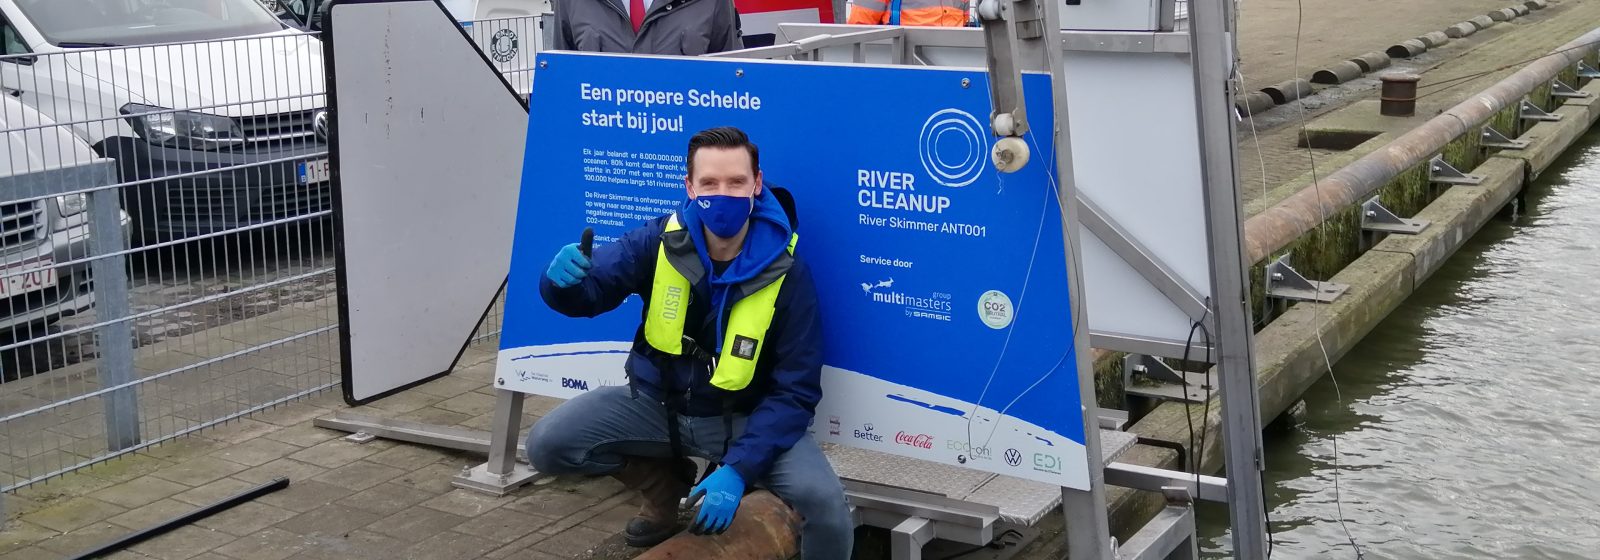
[[746, 329]]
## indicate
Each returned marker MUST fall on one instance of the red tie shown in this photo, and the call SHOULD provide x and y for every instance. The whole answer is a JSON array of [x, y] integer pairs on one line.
[[636, 13]]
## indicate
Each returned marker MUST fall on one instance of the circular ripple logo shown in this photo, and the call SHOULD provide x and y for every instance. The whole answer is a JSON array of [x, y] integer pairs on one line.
[[953, 147], [994, 308], [503, 46]]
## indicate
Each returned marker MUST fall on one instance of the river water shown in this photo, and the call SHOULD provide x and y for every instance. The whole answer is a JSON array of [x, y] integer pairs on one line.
[[1469, 424]]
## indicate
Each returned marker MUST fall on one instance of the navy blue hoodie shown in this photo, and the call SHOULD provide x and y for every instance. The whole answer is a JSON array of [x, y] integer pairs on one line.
[[782, 398]]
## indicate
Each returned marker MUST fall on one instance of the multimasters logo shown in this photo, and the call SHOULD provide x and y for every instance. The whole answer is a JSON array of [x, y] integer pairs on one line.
[[865, 433], [503, 46], [936, 306], [953, 147]]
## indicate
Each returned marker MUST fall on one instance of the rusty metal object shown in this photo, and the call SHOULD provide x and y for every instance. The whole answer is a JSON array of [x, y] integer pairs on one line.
[[1407, 48], [1288, 91], [1337, 73], [1278, 226], [1463, 29], [1372, 61], [1435, 39], [764, 529], [1503, 14], [1254, 103], [1398, 98], [1482, 22]]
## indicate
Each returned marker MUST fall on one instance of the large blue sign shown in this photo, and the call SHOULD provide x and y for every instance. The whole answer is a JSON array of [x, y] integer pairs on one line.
[[942, 282]]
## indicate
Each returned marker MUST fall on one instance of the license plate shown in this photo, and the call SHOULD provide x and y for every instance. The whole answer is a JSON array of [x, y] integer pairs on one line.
[[315, 172], [31, 277]]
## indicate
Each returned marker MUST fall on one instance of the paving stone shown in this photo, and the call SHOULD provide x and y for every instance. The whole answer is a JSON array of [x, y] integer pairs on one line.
[[213, 492], [246, 518], [17, 535], [149, 515], [304, 435], [572, 542], [242, 430], [271, 544], [305, 496], [335, 453], [448, 386], [256, 452], [292, 414], [329, 520], [126, 467], [360, 545], [73, 514], [96, 534], [553, 502], [614, 519], [296, 471], [504, 525], [409, 457], [451, 546], [403, 402], [473, 403], [200, 470], [416, 524], [141, 491], [466, 503], [386, 499], [360, 475], [433, 478], [525, 548], [35, 553], [182, 543], [184, 448], [436, 416]]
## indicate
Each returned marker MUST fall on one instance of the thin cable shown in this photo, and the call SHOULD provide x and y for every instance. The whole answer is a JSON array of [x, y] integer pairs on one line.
[[1316, 309], [1449, 83]]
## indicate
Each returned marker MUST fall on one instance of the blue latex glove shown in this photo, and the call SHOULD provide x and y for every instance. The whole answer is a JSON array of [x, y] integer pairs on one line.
[[722, 491], [569, 267]]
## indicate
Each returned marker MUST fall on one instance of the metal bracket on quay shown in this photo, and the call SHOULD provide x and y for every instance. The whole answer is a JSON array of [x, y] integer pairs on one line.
[[1493, 138], [1441, 172]]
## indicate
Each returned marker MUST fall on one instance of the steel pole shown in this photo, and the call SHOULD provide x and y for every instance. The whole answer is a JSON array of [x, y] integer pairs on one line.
[[1230, 324]]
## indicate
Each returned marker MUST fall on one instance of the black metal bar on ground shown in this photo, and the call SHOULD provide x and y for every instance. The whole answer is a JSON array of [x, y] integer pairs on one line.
[[185, 519]]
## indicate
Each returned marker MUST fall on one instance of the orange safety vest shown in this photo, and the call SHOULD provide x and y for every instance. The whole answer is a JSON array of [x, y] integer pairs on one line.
[[933, 13]]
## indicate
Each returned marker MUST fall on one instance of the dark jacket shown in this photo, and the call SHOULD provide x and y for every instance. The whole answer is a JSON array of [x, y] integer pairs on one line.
[[671, 27], [782, 398]]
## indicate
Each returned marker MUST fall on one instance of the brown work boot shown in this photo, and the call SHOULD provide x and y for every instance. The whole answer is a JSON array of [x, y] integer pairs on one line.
[[661, 490]]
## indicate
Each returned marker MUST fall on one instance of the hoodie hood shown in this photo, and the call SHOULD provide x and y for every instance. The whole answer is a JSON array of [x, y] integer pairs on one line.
[[766, 240]]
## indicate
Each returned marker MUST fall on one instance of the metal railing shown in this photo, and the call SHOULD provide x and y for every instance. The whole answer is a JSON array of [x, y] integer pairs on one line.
[[166, 263]]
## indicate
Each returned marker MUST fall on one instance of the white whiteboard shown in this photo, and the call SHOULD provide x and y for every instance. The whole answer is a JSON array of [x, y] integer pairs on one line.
[[427, 159]]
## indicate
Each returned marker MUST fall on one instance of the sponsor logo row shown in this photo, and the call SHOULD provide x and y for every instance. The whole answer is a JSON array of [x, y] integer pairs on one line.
[[1042, 462]]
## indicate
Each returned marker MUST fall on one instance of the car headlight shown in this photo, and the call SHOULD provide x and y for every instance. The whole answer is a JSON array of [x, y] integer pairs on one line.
[[183, 129], [70, 204]]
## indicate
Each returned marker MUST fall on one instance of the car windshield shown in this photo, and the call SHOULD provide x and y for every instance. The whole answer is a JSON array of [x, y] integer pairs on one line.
[[143, 22]]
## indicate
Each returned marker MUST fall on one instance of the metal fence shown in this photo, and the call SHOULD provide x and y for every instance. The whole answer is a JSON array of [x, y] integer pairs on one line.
[[165, 259]]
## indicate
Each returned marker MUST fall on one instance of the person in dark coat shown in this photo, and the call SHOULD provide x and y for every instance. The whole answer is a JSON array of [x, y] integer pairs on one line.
[[726, 364], [665, 27]]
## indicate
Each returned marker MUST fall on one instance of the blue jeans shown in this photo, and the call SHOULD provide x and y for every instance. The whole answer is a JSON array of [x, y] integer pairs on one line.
[[595, 432]]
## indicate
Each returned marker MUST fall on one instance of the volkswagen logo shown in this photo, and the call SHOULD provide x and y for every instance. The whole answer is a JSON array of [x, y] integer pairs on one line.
[[319, 124], [1013, 457]]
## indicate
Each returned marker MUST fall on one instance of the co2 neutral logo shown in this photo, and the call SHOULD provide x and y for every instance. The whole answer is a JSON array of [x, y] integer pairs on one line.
[[953, 147], [994, 308]]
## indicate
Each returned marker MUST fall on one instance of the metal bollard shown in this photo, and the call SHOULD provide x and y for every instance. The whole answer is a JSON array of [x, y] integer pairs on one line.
[[1398, 98], [1460, 30], [1435, 39], [1482, 22], [1503, 14]]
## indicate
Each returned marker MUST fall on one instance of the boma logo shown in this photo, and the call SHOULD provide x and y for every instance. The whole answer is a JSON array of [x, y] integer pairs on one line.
[[579, 384], [865, 433], [924, 441]]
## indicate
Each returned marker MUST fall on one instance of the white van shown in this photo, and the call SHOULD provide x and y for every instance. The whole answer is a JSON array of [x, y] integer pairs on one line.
[[44, 243], [168, 114]]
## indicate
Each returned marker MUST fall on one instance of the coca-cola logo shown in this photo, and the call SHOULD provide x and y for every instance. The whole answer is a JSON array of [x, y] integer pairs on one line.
[[924, 441]]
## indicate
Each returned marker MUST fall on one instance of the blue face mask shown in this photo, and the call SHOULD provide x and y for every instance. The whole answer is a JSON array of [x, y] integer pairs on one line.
[[723, 215]]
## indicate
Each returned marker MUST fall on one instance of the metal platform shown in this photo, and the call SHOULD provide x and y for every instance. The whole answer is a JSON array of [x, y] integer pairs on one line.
[[1020, 501]]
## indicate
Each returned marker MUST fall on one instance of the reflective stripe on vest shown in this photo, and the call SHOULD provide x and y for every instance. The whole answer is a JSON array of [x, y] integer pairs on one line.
[[747, 325]]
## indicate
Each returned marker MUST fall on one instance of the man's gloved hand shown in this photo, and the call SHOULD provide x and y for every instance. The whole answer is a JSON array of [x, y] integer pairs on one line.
[[722, 491], [569, 267]]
